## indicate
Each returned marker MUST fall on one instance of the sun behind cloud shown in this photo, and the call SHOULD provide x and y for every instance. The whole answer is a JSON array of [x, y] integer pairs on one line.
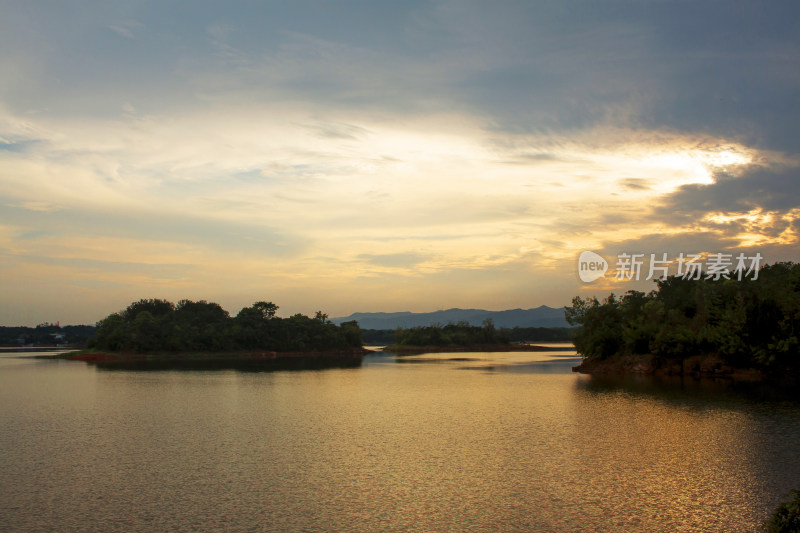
[[429, 163]]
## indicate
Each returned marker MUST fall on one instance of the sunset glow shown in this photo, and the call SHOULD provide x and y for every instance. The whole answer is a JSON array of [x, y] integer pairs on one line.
[[317, 167]]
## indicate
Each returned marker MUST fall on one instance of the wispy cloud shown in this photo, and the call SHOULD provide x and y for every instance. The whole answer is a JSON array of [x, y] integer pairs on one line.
[[429, 153]]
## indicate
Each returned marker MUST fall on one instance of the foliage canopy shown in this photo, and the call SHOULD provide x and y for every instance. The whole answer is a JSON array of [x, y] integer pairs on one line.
[[160, 326], [786, 517], [747, 322], [460, 334]]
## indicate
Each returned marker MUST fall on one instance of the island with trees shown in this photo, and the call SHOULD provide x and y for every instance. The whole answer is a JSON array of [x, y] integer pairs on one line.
[[743, 329], [156, 333]]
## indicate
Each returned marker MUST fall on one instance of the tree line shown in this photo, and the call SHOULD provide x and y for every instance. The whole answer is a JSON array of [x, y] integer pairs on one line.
[[752, 322], [459, 334], [45, 334], [515, 334], [153, 325]]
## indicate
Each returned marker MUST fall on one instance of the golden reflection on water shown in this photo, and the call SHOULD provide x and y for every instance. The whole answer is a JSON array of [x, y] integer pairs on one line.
[[668, 463], [453, 442]]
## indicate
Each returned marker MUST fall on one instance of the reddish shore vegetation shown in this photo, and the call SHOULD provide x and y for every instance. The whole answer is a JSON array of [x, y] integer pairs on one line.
[[249, 356], [92, 357], [700, 366]]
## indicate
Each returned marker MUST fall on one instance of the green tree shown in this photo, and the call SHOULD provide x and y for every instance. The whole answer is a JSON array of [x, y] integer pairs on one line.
[[267, 309], [113, 333], [146, 335], [159, 325], [600, 333], [153, 306], [748, 322], [352, 333], [786, 517]]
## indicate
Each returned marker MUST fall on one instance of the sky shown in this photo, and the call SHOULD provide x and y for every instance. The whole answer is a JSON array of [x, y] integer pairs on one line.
[[385, 156]]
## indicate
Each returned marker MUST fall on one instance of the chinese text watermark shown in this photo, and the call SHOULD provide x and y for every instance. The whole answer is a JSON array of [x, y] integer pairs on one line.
[[634, 266]]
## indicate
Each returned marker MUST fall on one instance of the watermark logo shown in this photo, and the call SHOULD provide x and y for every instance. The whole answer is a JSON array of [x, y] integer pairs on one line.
[[633, 267], [591, 266]]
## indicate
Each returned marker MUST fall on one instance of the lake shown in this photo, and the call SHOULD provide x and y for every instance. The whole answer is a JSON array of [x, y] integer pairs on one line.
[[439, 442]]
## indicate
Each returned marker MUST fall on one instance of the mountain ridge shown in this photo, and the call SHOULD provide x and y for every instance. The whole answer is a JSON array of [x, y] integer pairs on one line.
[[542, 316]]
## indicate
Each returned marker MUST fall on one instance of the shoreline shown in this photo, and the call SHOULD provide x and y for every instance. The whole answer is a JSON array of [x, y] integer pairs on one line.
[[416, 350], [709, 366], [244, 360]]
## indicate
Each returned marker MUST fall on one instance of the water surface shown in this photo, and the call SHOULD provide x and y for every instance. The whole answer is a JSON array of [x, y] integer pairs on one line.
[[438, 442]]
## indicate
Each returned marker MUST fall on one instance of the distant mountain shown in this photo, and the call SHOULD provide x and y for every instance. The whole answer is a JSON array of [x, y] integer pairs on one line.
[[542, 316]]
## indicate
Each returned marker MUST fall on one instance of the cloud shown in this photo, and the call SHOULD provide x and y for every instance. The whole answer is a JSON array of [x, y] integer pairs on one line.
[[220, 236], [635, 183], [268, 148], [545, 68], [340, 131], [126, 28], [102, 268], [395, 260], [758, 187]]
